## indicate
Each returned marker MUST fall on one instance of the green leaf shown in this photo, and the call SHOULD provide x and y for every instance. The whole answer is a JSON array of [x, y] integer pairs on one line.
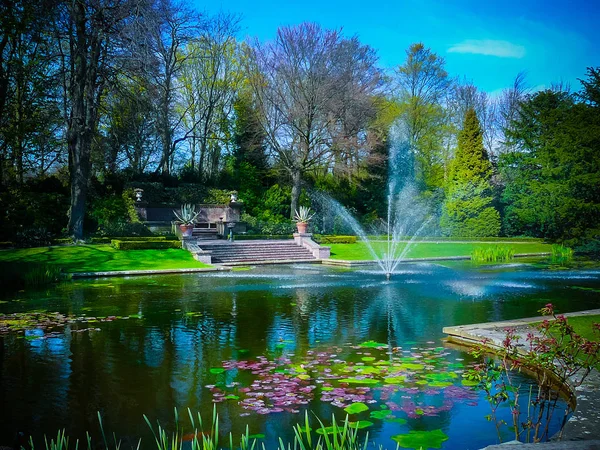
[[360, 424], [421, 439], [383, 414], [356, 408], [217, 370]]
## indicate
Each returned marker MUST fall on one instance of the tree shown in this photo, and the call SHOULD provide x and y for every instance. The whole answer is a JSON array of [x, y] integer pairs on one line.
[[303, 84], [423, 83], [171, 29], [552, 175], [90, 42], [468, 211], [210, 78]]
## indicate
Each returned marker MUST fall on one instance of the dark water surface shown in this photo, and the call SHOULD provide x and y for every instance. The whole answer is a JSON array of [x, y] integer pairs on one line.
[[277, 332]]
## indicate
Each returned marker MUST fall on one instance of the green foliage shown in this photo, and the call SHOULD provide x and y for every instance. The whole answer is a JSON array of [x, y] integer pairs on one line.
[[41, 274], [38, 203], [145, 244], [553, 177], [561, 254], [33, 237], [124, 229], [217, 197], [108, 211], [492, 254], [468, 210], [334, 239]]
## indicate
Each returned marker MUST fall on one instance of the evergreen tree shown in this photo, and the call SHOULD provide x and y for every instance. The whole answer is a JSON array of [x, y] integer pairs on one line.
[[468, 211]]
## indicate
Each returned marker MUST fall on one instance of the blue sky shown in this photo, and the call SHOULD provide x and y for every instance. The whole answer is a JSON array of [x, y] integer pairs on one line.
[[488, 42]]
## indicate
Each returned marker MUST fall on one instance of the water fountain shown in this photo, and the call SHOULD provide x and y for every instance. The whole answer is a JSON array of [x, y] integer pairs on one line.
[[408, 215]]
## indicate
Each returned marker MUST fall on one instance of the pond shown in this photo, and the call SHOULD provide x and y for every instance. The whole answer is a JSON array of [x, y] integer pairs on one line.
[[267, 344]]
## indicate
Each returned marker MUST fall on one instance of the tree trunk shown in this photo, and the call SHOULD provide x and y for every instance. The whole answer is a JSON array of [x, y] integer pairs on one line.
[[296, 190]]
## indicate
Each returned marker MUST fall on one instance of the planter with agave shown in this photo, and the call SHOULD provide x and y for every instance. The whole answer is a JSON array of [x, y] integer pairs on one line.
[[186, 217], [302, 217]]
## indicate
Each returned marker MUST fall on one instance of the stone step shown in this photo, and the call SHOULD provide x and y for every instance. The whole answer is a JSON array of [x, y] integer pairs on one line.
[[254, 250], [272, 258]]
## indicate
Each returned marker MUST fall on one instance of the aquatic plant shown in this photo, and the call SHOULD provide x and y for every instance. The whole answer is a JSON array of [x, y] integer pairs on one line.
[[561, 254], [555, 353], [41, 274], [492, 254]]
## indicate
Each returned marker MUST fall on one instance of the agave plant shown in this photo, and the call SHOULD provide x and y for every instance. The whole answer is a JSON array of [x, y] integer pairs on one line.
[[186, 215], [303, 215]]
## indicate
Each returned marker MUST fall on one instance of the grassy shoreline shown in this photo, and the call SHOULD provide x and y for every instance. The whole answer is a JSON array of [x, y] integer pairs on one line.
[[100, 258], [360, 251]]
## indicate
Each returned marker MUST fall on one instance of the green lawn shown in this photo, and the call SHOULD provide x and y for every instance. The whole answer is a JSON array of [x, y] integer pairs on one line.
[[583, 326], [100, 258], [359, 251]]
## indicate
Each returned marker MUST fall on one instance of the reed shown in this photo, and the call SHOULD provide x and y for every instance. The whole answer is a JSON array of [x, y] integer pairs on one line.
[[492, 254]]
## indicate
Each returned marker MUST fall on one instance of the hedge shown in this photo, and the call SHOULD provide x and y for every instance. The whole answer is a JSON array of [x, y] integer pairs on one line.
[[144, 245], [335, 239], [108, 240]]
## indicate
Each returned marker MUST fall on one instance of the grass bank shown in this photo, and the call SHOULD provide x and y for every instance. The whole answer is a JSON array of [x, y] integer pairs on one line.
[[99, 258], [359, 251]]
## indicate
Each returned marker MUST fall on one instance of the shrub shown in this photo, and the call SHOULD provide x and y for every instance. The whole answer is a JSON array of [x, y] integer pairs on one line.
[[33, 237], [144, 245], [334, 239], [492, 254], [121, 229]]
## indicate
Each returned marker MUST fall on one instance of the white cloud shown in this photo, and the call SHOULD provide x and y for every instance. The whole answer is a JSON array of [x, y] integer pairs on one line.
[[489, 47]]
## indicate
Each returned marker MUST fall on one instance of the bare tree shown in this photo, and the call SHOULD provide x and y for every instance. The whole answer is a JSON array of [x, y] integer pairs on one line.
[[299, 83], [464, 96], [210, 80], [509, 105], [172, 28], [422, 85]]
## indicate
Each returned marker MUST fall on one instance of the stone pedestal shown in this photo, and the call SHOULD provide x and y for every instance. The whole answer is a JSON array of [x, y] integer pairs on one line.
[[305, 240]]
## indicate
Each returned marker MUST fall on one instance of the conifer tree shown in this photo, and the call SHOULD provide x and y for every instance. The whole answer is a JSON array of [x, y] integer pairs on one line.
[[468, 210]]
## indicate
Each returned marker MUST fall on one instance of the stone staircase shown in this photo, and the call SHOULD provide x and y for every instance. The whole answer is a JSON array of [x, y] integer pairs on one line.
[[245, 252], [205, 233]]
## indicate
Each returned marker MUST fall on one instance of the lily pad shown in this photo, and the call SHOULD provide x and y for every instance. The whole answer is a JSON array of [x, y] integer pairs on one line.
[[356, 408], [399, 420], [360, 424], [383, 414], [421, 439], [368, 358], [373, 344], [217, 370], [359, 380]]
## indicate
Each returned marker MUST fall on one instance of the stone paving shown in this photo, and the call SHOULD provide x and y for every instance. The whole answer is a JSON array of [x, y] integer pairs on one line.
[[583, 429]]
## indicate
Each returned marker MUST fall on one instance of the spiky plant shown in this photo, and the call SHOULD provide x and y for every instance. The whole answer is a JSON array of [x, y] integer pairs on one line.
[[303, 214], [186, 214]]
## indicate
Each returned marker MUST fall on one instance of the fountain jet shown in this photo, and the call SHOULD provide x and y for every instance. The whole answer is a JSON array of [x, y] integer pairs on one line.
[[407, 214]]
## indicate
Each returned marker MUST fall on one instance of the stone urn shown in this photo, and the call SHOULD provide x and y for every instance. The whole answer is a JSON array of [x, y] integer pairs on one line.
[[187, 229], [302, 227]]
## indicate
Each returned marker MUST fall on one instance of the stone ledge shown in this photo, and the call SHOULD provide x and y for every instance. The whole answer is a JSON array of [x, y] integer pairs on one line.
[[584, 424], [126, 273]]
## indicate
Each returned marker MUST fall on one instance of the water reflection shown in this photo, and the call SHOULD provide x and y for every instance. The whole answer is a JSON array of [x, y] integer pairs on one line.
[[184, 326]]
